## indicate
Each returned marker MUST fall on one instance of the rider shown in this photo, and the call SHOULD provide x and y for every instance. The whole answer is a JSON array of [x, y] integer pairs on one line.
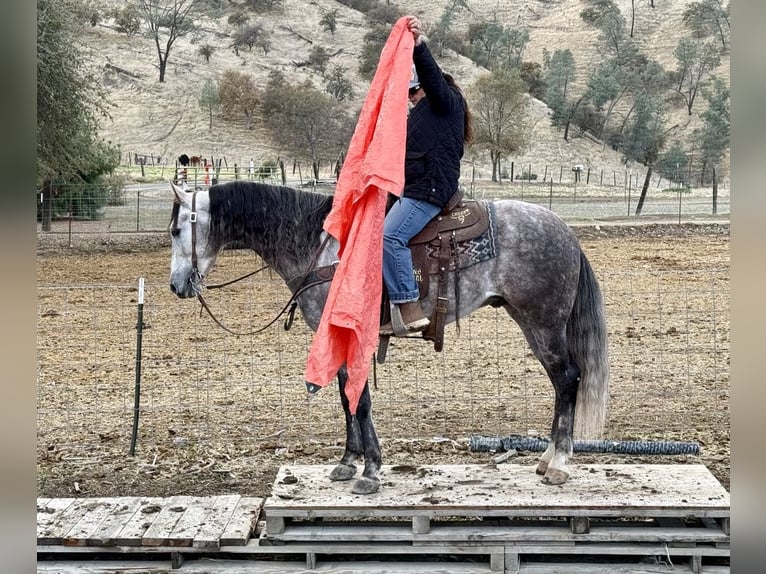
[[438, 125]]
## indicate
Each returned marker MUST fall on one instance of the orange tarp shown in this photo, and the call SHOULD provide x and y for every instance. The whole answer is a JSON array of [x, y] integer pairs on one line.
[[374, 167]]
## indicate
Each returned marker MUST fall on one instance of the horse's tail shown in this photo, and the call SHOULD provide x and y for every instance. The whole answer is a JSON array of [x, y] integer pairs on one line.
[[587, 339]]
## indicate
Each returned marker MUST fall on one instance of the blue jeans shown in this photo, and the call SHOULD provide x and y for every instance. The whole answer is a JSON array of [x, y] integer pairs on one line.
[[404, 220]]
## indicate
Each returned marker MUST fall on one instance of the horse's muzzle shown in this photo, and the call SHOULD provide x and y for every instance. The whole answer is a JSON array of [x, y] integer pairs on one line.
[[186, 292]]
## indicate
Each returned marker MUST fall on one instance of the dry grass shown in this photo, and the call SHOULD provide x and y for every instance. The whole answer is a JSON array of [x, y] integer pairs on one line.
[[165, 119]]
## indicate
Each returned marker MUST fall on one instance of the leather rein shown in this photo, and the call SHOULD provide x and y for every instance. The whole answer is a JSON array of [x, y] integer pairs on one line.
[[322, 274]]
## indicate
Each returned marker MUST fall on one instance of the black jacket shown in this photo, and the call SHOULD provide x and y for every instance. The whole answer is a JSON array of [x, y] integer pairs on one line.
[[434, 135]]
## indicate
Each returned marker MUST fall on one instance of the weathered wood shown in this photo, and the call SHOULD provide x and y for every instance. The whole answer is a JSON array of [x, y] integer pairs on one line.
[[487, 534], [209, 533], [579, 524], [505, 490], [263, 567], [62, 522], [84, 528], [503, 516], [110, 527], [139, 522], [497, 561], [421, 524], [185, 530], [158, 534], [47, 514], [274, 525], [242, 522]]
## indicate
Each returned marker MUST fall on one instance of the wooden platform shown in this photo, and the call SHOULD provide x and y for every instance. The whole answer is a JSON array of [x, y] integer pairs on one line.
[[456, 518]]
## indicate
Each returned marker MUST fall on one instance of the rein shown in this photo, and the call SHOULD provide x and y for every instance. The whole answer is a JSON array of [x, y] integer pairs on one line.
[[323, 275]]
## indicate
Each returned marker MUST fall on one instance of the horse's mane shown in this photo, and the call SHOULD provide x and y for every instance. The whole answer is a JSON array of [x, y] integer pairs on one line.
[[276, 220]]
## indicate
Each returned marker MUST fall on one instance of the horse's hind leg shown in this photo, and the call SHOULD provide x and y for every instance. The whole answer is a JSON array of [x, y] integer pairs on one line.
[[361, 440], [552, 351]]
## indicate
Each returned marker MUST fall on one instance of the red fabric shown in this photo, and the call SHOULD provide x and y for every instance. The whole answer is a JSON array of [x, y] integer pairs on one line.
[[374, 167]]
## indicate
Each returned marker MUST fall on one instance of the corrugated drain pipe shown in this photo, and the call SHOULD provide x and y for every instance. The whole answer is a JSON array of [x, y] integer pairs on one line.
[[518, 442]]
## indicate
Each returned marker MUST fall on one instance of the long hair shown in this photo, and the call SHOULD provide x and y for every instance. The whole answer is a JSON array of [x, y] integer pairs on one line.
[[467, 115]]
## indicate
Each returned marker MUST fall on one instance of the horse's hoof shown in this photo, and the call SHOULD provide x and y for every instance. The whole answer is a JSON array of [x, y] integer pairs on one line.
[[555, 476], [366, 486], [343, 472], [542, 467]]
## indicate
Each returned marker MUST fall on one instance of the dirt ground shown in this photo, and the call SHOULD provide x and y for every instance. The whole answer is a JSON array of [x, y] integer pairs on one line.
[[691, 407]]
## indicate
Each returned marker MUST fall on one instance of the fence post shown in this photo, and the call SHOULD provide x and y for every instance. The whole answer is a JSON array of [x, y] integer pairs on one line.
[[137, 391], [715, 191], [138, 207]]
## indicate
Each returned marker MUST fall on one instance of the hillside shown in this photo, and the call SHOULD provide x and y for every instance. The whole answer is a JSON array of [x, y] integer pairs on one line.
[[165, 119]]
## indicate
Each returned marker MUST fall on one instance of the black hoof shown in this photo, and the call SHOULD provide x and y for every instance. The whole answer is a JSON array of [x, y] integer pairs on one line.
[[343, 472], [366, 486]]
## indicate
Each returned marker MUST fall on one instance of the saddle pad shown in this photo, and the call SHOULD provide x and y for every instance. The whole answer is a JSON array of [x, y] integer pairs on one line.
[[425, 256]]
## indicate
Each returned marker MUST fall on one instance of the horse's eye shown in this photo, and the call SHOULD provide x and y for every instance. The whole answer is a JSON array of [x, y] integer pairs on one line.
[[175, 232]]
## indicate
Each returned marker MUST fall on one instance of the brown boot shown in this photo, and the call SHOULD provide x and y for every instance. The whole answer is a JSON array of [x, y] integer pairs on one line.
[[412, 316]]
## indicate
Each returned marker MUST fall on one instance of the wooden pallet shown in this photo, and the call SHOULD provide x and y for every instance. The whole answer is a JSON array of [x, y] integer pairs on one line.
[[606, 512], [459, 518]]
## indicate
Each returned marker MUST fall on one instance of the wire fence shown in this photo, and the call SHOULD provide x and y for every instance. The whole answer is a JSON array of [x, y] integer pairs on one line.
[[669, 358], [145, 207]]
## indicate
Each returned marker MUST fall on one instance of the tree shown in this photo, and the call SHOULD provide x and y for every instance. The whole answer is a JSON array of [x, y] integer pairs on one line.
[[486, 40], [708, 18], [168, 20], [645, 136], [442, 35], [338, 86], [308, 122], [607, 17], [209, 99], [374, 40], [560, 72], [715, 133], [672, 163], [318, 59], [532, 74], [695, 62], [69, 104], [605, 89], [127, 19], [247, 35], [329, 21], [206, 51], [238, 96], [499, 105]]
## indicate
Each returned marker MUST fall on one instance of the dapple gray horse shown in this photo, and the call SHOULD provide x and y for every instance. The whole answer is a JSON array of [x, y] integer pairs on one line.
[[539, 275]]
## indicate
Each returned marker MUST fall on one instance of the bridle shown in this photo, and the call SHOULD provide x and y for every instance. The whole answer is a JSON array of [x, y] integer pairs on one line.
[[311, 277]]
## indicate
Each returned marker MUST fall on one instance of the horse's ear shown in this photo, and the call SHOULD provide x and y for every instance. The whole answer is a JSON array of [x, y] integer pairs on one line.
[[179, 192]]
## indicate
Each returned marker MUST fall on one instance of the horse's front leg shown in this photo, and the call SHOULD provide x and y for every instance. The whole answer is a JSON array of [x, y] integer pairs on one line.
[[361, 440]]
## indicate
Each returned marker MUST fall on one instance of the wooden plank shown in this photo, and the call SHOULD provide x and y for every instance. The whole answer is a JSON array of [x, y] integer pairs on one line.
[[209, 533], [63, 521], [242, 522], [287, 567], [47, 514], [132, 533], [327, 532], [158, 534], [505, 490], [265, 567], [197, 511], [82, 530], [122, 512], [499, 534]]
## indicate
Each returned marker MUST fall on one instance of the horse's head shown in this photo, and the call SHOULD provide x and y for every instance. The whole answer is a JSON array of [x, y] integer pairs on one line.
[[193, 256]]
